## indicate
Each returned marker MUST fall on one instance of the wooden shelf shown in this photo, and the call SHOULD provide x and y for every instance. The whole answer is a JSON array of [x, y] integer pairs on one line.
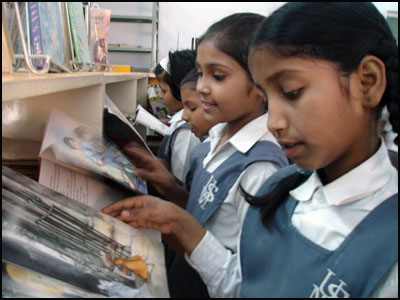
[[28, 99], [22, 85]]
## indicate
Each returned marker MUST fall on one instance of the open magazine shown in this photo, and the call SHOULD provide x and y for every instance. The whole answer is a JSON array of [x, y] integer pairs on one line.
[[54, 246], [71, 149]]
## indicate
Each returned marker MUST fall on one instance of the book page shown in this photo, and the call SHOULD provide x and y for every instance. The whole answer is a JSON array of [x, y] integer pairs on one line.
[[73, 143], [147, 119], [77, 186], [77, 244]]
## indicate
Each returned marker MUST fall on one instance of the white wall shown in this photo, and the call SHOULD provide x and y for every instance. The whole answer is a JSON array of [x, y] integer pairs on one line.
[[191, 19]]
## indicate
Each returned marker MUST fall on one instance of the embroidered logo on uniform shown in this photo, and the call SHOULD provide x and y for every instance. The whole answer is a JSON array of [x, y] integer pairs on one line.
[[330, 290], [207, 194]]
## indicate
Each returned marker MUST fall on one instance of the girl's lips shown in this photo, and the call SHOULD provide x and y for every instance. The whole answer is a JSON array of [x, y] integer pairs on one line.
[[291, 149], [207, 107]]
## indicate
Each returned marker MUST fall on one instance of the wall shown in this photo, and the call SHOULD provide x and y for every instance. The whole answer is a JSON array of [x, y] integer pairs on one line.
[[191, 19], [188, 19], [134, 34]]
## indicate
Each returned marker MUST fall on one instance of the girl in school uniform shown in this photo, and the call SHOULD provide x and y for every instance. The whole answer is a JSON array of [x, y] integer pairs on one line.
[[152, 170], [193, 113], [240, 151], [327, 69], [179, 141]]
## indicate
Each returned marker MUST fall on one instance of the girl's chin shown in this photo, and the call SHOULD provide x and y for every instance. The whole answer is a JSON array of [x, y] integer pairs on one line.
[[214, 117]]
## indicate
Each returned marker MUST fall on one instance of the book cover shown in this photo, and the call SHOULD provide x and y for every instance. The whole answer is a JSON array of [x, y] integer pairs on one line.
[[78, 32], [76, 146], [99, 30], [53, 40], [35, 32], [12, 23], [156, 103], [118, 128]]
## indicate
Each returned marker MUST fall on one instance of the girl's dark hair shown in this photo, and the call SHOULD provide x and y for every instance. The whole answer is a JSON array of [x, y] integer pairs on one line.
[[341, 32], [180, 63], [191, 78], [159, 70], [232, 35]]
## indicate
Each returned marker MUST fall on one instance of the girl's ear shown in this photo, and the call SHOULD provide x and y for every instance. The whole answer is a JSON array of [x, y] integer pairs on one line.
[[371, 80]]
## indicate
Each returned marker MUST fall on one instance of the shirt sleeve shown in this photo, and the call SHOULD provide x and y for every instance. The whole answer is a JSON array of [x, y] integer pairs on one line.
[[223, 276], [251, 181], [388, 287], [182, 145]]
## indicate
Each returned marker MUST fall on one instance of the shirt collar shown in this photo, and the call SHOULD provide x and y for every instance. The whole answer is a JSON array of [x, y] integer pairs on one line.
[[176, 117], [353, 185], [245, 138]]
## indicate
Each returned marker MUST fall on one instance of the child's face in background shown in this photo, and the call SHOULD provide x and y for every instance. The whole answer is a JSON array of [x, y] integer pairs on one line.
[[311, 113], [173, 105], [224, 86], [193, 112]]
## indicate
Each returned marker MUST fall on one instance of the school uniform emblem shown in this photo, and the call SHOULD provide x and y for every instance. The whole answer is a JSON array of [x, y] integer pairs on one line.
[[330, 290], [208, 192]]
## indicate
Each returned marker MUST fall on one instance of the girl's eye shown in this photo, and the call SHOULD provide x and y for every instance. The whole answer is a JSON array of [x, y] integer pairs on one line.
[[192, 109], [218, 77], [293, 95]]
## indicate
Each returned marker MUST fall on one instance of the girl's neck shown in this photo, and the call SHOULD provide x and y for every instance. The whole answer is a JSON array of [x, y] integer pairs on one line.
[[234, 126], [338, 169]]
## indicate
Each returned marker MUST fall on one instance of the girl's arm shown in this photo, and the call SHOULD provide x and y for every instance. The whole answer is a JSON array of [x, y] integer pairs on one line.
[[145, 211], [218, 267], [156, 174]]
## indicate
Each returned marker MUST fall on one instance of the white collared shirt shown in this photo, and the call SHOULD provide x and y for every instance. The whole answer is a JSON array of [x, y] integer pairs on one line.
[[320, 215], [182, 145], [227, 221]]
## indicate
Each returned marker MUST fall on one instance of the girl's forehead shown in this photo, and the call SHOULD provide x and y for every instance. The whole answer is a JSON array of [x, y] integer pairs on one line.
[[269, 62], [209, 55]]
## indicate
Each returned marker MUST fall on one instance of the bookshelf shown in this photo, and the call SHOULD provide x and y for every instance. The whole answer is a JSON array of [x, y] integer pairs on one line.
[[124, 47], [27, 100]]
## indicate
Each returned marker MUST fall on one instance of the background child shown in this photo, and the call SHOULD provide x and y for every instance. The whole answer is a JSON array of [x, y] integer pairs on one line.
[[149, 168], [239, 151], [179, 141], [193, 113]]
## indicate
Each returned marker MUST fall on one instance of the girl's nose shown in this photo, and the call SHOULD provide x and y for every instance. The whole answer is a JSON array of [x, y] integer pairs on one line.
[[277, 120], [202, 86], [185, 116]]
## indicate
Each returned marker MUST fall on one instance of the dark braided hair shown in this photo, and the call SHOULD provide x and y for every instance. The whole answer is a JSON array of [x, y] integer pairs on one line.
[[340, 32]]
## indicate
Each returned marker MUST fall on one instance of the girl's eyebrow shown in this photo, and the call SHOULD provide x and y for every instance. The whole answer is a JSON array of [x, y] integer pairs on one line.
[[280, 73], [213, 65]]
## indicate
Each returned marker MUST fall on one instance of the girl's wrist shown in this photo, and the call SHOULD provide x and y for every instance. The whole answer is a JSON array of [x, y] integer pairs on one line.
[[188, 231]]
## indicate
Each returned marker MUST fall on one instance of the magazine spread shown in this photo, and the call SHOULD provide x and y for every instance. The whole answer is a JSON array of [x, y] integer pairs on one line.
[[76, 146], [80, 187], [53, 245]]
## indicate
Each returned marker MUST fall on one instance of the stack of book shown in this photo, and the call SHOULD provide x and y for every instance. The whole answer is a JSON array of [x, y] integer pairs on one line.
[[58, 30]]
